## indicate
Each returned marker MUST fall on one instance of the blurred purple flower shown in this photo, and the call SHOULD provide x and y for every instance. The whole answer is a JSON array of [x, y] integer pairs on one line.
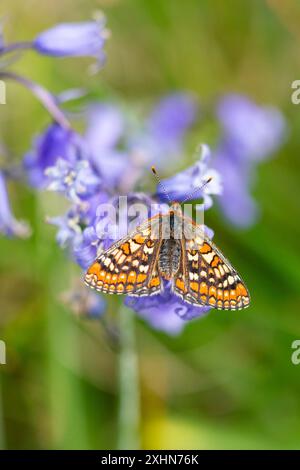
[[77, 180], [186, 183], [255, 131], [105, 127], [9, 226], [54, 143], [166, 311], [164, 130], [250, 134], [73, 40], [236, 201], [120, 148], [171, 118]]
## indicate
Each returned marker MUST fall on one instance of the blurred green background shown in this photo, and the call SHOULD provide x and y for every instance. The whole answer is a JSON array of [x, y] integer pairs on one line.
[[228, 380]]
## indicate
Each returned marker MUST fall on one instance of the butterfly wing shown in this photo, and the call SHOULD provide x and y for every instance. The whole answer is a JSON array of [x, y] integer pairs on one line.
[[128, 266], [206, 277]]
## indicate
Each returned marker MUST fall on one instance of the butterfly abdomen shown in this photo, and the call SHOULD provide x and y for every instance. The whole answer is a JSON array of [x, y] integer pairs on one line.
[[169, 258]]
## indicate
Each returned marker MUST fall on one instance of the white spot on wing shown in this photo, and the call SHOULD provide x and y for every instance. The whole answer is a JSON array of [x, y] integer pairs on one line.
[[208, 257], [134, 246], [193, 276], [144, 268]]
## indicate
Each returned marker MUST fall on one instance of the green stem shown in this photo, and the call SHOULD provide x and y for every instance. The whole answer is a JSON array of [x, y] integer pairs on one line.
[[129, 400]]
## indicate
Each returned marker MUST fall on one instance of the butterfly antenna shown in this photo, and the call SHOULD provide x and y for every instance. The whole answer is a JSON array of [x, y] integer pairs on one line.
[[161, 183], [195, 190]]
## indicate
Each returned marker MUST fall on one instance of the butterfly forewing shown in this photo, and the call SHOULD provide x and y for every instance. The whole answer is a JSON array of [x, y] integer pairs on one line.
[[129, 266]]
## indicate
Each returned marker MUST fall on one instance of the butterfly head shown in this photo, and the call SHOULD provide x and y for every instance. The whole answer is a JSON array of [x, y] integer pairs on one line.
[[175, 208]]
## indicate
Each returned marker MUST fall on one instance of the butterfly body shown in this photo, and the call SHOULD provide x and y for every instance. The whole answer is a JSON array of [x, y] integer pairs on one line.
[[169, 247], [169, 258]]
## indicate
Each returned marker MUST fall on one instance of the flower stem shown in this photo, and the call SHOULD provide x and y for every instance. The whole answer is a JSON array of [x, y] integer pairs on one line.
[[129, 403], [43, 95], [15, 47]]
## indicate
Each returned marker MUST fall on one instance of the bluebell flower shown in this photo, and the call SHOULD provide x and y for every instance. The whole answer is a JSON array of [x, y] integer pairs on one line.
[[105, 128], [9, 225], [254, 131], [54, 143], [236, 201], [186, 183], [250, 134], [69, 229], [171, 118], [73, 40], [76, 229], [77, 181], [86, 248], [166, 311], [160, 140]]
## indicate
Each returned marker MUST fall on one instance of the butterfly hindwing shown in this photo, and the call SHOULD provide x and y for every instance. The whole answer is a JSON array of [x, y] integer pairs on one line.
[[181, 280], [128, 266], [211, 279]]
